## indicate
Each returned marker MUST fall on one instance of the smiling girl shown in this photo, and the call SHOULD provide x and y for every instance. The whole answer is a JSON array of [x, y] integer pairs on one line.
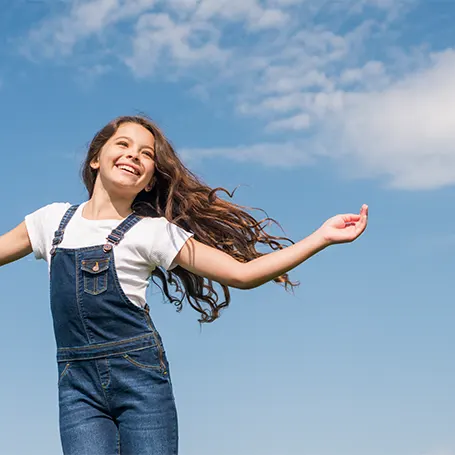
[[147, 216]]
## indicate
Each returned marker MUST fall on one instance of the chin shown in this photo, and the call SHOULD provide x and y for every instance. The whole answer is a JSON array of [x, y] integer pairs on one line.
[[124, 188]]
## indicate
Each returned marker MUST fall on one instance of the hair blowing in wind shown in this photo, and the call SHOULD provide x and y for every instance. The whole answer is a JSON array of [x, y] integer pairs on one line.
[[183, 199]]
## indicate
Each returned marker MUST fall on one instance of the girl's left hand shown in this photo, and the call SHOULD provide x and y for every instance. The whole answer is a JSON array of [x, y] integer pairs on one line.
[[344, 228]]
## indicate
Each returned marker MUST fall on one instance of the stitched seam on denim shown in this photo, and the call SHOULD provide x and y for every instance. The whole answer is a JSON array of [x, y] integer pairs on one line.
[[83, 249], [95, 278], [51, 266], [103, 264], [141, 365], [118, 442], [148, 320], [63, 223], [118, 233], [63, 374], [103, 389], [157, 340], [159, 346], [109, 343], [175, 431], [160, 352], [67, 218], [108, 374], [97, 290], [78, 297], [100, 356], [126, 224], [122, 294]]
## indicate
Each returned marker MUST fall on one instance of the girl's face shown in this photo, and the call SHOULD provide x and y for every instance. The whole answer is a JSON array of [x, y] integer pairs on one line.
[[126, 161]]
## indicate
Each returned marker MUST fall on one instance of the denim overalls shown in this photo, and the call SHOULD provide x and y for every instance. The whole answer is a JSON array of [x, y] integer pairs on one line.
[[115, 392]]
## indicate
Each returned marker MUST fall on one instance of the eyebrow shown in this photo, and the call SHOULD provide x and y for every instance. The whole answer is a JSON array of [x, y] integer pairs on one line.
[[129, 139]]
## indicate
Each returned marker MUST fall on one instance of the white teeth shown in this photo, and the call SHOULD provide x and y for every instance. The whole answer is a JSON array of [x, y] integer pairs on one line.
[[128, 168]]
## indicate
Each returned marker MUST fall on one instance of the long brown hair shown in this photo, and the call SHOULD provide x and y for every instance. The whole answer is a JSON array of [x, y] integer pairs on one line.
[[183, 199]]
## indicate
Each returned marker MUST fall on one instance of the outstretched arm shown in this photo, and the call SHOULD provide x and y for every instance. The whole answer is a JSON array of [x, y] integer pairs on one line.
[[214, 264], [15, 244]]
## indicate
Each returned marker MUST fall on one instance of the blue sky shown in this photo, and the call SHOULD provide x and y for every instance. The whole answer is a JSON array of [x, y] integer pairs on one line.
[[314, 107]]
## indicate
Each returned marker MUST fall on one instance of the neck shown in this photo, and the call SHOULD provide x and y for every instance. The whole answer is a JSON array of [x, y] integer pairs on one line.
[[104, 206]]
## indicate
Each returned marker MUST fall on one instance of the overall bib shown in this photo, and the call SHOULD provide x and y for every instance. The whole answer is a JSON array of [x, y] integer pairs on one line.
[[114, 388]]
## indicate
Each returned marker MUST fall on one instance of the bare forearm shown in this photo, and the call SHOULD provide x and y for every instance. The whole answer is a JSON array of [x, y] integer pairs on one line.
[[14, 245], [267, 267], [217, 265]]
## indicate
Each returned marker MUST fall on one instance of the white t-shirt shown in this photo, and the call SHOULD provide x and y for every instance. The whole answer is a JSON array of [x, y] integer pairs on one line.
[[150, 243]]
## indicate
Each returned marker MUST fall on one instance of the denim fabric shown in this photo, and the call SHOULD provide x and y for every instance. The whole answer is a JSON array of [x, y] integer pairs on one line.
[[115, 390]]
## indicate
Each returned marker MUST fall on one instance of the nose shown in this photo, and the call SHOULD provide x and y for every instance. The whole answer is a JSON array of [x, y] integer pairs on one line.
[[133, 154]]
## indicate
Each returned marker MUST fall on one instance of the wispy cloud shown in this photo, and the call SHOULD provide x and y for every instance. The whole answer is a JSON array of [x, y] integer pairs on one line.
[[283, 155], [161, 40], [303, 67]]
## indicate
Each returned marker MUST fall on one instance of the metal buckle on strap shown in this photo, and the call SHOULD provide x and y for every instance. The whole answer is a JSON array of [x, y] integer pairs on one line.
[[115, 236], [58, 237], [107, 247]]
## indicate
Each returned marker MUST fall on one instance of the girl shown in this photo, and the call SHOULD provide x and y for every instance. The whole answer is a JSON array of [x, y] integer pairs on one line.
[[147, 215]]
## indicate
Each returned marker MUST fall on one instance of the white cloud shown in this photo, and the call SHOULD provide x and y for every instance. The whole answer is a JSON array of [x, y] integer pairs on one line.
[[251, 11], [372, 75], [282, 79], [309, 80], [318, 104], [297, 122], [406, 131], [159, 40], [271, 18], [58, 35]]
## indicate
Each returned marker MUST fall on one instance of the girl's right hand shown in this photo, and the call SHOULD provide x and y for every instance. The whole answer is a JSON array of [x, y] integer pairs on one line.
[[344, 228]]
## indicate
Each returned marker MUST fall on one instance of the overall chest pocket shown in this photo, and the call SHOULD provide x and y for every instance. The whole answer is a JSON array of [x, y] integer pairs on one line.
[[95, 272]]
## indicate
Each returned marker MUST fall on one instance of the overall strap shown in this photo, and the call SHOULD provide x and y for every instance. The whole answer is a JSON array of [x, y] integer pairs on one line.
[[58, 235], [119, 232]]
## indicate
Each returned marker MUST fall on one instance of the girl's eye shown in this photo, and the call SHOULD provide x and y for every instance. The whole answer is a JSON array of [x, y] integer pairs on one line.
[[123, 143], [149, 154]]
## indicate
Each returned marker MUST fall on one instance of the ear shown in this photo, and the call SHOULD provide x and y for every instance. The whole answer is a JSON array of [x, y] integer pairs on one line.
[[149, 187], [95, 164]]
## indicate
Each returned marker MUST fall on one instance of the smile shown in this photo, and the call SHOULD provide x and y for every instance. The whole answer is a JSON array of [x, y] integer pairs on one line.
[[127, 168]]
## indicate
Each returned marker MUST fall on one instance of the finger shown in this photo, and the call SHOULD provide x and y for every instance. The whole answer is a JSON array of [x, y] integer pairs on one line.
[[351, 217], [361, 225], [364, 210]]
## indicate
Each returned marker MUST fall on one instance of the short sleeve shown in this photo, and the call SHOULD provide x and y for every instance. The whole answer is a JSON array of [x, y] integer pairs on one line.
[[168, 241], [41, 226]]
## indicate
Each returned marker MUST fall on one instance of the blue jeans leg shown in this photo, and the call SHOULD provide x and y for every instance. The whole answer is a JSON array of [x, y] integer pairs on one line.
[[86, 428], [121, 405], [143, 403]]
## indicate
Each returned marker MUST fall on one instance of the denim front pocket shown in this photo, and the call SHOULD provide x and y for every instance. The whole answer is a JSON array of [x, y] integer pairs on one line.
[[63, 369], [148, 358], [95, 275]]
